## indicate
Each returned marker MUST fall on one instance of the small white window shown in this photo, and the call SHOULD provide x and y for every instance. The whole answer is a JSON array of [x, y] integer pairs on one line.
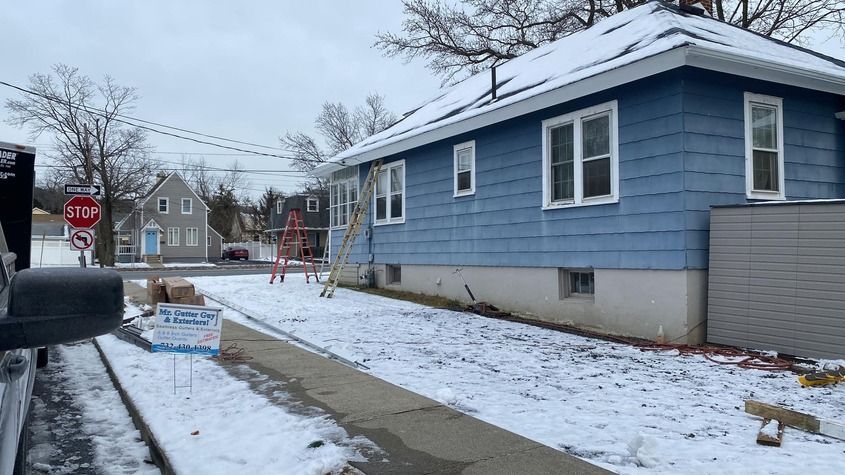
[[172, 236], [164, 205], [465, 168], [581, 158], [764, 174], [279, 205], [390, 194], [312, 205], [191, 237], [187, 205]]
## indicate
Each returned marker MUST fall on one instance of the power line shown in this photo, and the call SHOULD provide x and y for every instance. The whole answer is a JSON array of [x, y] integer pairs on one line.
[[102, 113]]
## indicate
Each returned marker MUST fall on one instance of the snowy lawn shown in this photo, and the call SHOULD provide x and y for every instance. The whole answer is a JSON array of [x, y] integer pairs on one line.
[[221, 425], [624, 409]]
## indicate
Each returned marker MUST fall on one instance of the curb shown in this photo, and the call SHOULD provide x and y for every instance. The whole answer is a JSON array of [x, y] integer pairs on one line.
[[157, 454]]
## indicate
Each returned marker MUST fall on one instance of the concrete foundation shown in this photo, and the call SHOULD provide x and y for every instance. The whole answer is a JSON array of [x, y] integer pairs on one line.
[[631, 302]]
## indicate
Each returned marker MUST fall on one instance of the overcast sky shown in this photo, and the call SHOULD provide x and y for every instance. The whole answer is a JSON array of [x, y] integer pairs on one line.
[[247, 70], [243, 70]]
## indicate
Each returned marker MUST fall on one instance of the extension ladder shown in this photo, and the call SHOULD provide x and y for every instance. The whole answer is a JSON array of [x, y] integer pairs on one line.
[[352, 230], [295, 233]]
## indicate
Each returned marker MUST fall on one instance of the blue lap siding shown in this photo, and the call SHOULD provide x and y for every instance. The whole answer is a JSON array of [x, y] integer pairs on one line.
[[681, 149]]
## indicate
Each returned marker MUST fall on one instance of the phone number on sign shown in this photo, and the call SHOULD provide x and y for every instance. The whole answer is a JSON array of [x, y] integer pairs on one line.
[[184, 347]]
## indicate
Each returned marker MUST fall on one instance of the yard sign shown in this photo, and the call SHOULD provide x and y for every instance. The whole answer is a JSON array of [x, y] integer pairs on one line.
[[187, 329]]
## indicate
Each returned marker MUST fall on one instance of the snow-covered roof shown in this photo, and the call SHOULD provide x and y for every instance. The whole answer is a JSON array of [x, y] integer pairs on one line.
[[637, 43]]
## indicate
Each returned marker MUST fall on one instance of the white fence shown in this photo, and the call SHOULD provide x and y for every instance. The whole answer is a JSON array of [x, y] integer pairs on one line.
[[257, 250], [55, 252]]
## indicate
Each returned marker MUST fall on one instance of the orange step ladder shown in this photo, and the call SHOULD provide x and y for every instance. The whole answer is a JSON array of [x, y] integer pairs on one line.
[[295, 233]]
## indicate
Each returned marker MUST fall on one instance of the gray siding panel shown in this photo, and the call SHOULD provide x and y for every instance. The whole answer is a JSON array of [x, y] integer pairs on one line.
[[777, 278]]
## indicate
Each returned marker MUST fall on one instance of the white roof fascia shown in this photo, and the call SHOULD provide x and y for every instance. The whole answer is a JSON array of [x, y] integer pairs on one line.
[[764, 70], [646, 67]]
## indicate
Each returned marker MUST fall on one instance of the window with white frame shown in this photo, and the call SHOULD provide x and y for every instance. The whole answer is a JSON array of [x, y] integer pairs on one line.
[[172, 236], [764, 175], [343, 195], [390, 194], [581, 157], [312, 205], [187, 205], [279, 206], [164, 205], [576, 283], [464, 168], [191, 237]]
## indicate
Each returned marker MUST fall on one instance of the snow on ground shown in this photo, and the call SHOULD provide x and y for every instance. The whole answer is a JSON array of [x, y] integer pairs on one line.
[[79, 413], [221, 425], [627, 410]]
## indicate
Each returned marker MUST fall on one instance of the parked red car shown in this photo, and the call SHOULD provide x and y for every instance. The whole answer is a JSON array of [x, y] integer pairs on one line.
[[235, 252]]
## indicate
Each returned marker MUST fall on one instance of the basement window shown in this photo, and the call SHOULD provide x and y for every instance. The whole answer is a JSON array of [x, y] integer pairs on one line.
[[394, 274], [576, 283]]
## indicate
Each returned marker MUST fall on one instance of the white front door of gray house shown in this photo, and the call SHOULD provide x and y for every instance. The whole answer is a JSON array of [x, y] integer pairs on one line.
[[150, 242]]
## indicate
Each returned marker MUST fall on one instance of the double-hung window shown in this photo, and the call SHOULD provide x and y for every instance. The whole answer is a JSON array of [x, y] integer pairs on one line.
[[390, 193], [464, 168], [163, 205], [312, 205], [191, 236], [344, 195], [581, 157], [172, 236], [764, 147], [187, 205]]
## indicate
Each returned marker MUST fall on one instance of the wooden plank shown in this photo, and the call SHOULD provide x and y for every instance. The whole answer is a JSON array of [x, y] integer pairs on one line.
[[798, 420], [765, 439]]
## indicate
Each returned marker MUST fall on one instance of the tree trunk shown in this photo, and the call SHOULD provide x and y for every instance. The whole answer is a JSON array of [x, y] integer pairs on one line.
[[105, 234]]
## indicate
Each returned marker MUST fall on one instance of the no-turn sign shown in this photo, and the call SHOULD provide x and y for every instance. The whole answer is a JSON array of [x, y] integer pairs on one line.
[[82, 239], [82, 212]]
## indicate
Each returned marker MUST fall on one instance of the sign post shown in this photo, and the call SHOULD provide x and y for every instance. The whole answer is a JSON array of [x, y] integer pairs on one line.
[[82, 212]]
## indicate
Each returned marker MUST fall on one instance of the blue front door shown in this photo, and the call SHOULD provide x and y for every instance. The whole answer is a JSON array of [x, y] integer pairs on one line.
[[150, 242]]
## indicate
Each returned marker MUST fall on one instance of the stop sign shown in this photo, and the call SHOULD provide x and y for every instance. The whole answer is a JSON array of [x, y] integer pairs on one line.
[[82, 212]]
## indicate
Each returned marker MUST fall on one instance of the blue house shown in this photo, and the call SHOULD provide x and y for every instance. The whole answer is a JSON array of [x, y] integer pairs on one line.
[[575, 183]]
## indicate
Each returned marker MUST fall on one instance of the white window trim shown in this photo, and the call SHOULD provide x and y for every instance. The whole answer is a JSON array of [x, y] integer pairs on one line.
[[462, 146], [170, 234], [188, 237], [576, 117], [190, 208], [387, 168], [308, 202], [357, 181], [279, 207], [166, 203], [750, 192]]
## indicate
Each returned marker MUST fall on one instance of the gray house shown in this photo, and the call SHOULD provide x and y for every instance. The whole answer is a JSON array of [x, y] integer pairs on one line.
[[315, 215], [170, 224]]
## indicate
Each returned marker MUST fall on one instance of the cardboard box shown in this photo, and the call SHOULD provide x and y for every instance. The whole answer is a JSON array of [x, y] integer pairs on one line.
[[155, 291], [192, 300], [177, 287]]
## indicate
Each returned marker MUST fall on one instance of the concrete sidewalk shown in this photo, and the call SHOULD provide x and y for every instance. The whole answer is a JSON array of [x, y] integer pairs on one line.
[[417, 435]]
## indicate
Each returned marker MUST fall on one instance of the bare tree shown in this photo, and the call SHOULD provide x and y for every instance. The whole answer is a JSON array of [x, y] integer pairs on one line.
[[92, 144], [206, 180], [340, 129], [459, 39]]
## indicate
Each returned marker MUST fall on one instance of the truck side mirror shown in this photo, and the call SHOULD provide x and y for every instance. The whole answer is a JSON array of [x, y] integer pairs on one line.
[[54, 306]]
